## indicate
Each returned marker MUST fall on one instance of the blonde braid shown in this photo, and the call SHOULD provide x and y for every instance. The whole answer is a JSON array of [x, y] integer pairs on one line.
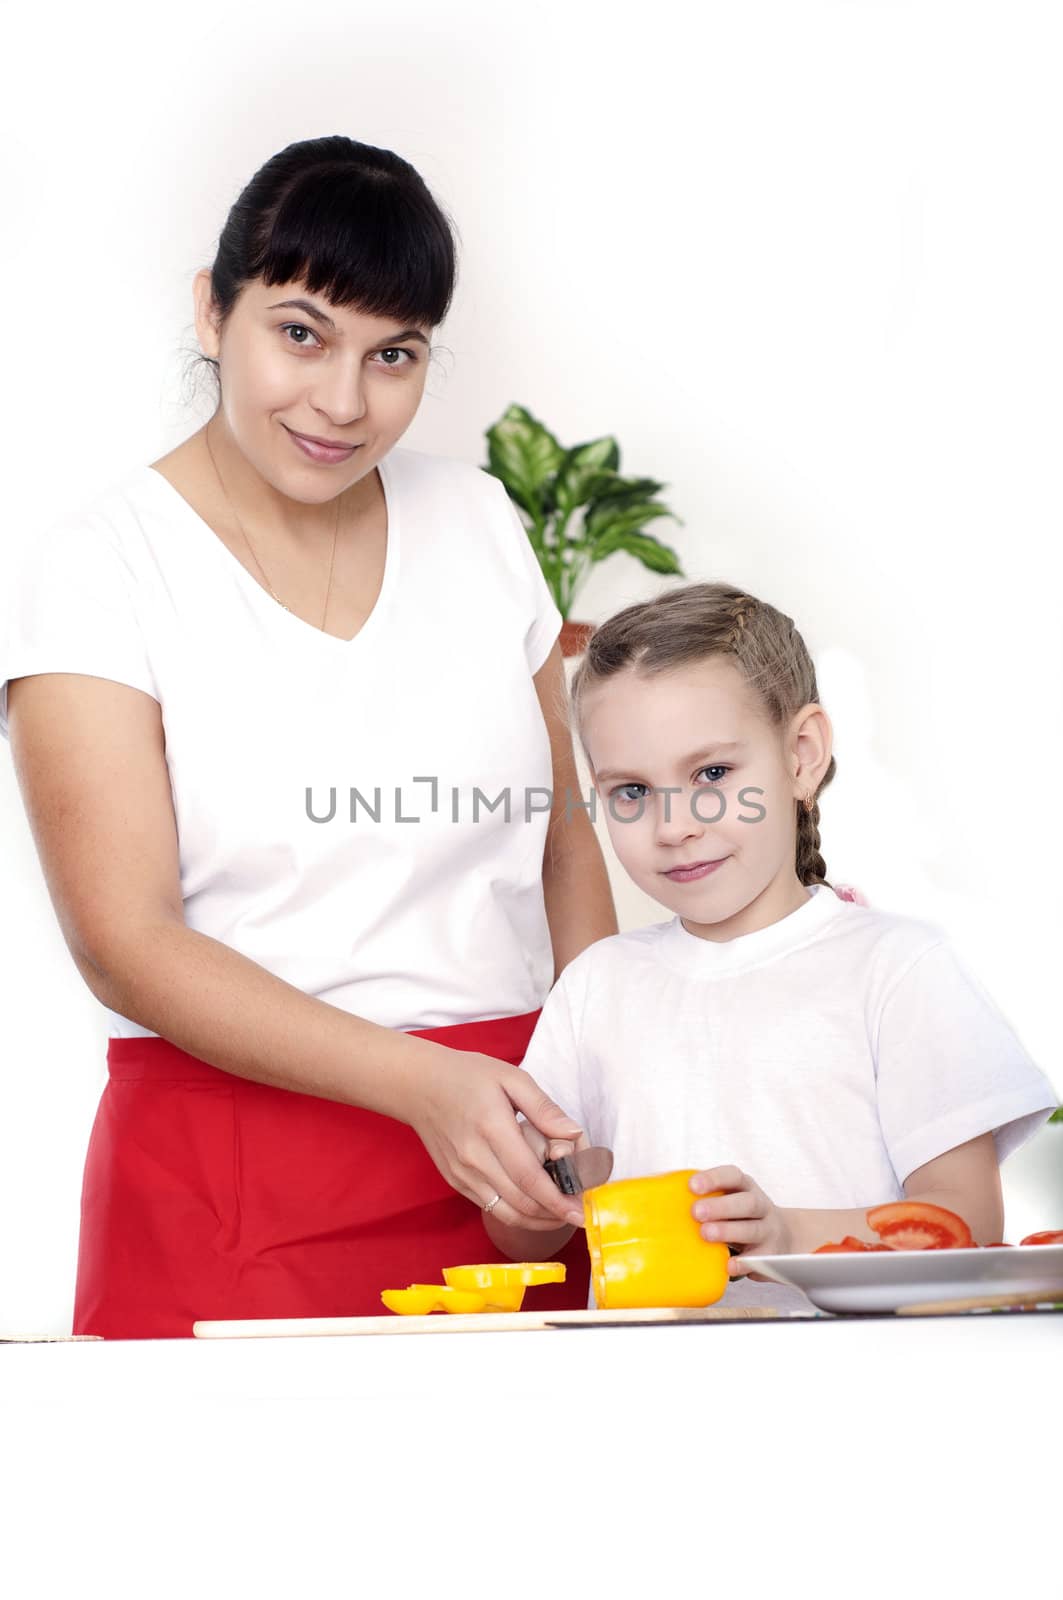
[[811, 867], [740, 608]]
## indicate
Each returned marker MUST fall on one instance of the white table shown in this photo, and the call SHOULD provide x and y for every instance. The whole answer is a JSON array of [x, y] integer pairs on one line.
[[853, 1457]]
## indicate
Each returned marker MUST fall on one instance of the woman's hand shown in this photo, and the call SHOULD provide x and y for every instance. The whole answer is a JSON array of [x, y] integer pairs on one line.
[[465, 1117], [554, 1150], [743, 1216]]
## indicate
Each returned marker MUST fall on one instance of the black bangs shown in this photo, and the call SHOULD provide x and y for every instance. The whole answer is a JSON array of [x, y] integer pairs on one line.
[[352, 222], [362, 241]]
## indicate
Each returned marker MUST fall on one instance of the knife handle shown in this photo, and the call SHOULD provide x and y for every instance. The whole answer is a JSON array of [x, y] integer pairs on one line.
[[563, 1174]]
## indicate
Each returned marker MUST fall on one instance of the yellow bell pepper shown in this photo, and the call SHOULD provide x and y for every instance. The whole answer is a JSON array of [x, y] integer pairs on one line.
[[421, 1298], [489, 1286], [646, 1247], [495, 1276]]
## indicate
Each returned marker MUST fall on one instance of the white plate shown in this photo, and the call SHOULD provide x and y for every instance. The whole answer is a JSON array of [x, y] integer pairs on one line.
[[876, 1281]]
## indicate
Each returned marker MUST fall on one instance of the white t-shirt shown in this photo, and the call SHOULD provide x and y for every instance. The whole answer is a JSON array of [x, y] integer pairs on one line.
[[828, 1056], [425, 910]]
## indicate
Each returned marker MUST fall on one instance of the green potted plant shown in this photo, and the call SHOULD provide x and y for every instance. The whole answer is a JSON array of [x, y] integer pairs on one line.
[[576, 507]]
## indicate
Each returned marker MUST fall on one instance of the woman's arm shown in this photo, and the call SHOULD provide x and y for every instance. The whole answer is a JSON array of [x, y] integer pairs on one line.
[[579, 901], [526, 1244], [89, 756]]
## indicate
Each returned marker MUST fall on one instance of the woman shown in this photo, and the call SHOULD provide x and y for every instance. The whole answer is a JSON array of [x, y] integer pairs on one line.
[[283, 718]]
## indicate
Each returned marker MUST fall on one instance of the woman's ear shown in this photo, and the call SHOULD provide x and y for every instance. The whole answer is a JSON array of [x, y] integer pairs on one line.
[[206, 314]]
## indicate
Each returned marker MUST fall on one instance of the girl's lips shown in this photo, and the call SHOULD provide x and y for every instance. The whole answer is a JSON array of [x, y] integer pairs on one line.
[[691, 873], [321, 452]]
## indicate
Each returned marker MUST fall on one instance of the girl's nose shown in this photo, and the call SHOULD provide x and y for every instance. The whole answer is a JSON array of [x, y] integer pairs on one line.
[[676, 819]]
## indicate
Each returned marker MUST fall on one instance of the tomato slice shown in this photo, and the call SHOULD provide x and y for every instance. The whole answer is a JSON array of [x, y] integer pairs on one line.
[[846, 1244], [999, 1244], [504, 1274], [918, 1225], [1050, 1236]]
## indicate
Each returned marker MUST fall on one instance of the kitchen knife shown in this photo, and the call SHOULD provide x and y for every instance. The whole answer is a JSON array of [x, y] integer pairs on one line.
[[583, 1169]]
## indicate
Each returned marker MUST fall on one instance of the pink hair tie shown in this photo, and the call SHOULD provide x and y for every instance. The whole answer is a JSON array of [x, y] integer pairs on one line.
[[846, 891]]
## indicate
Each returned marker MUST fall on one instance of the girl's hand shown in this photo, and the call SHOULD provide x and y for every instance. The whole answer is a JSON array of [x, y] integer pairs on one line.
[[743, 1216], [465, 1116]]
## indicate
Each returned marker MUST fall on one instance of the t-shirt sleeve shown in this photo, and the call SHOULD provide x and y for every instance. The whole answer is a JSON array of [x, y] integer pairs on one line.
[[70, 607], [950, 1066], [552, 1057], [543, 617]]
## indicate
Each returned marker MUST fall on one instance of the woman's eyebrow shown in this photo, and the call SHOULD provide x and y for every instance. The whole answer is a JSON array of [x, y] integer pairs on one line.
[[326, 322], [687, 761]]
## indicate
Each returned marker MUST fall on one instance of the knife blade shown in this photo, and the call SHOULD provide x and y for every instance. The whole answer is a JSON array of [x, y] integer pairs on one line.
[[583, 1169]]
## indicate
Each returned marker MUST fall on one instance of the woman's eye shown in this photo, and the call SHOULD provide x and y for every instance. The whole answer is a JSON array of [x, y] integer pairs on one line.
[[714, 769], [399, 350], [301, 328], [292, 328]]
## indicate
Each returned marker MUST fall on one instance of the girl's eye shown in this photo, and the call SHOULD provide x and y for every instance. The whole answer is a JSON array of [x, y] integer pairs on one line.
[[399, 350], [623, 792]]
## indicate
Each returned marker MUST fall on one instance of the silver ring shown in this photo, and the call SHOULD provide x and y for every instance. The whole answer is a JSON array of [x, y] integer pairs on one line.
[[490, 1206]]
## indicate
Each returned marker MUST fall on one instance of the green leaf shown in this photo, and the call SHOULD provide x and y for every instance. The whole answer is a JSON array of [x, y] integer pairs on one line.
[[604, 519], [1057, 1115], [525, 456], [619, 491], [643, 546], [584, 468]]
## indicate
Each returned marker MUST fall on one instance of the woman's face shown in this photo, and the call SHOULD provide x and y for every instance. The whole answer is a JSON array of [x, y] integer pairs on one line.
[[734, 782], [313, 368]]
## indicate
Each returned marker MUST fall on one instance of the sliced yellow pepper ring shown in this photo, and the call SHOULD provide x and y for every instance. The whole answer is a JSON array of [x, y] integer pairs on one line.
[[500, 1297], [421, 1298], [489, 1276], [496, 1297]]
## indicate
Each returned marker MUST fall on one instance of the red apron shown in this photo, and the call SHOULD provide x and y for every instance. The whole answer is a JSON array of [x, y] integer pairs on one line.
[[209, 1196]]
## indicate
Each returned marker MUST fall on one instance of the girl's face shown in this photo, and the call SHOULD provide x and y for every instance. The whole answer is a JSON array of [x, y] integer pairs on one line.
[[734, 781], [312, 368]]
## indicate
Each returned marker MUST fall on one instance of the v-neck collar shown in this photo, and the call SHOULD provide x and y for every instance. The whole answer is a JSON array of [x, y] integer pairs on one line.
[[289, 619]]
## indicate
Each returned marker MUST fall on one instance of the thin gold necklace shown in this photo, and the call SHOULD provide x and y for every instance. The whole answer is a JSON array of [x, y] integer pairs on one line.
[[258, 564]]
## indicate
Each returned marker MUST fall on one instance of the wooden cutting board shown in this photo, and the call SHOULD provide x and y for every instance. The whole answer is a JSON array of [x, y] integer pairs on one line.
[[481, 1322]]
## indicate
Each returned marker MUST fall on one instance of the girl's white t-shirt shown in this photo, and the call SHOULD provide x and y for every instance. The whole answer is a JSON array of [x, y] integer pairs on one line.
[[828, 1056], [365, 819]]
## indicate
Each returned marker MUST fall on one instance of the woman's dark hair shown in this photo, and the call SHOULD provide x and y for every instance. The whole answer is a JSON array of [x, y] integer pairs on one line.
[[698, 621], [353, 222]]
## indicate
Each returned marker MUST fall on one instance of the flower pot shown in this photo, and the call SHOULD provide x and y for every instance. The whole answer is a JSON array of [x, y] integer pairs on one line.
[[574, 636]]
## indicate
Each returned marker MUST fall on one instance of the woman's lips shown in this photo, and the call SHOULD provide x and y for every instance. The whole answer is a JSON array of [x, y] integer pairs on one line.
[[320, 452], [695, 870]]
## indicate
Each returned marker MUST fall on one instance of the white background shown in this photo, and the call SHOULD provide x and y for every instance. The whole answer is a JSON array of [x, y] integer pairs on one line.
[[802, 259]]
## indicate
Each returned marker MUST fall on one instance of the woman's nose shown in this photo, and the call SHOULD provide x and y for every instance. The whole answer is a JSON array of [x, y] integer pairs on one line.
[[340, 394]]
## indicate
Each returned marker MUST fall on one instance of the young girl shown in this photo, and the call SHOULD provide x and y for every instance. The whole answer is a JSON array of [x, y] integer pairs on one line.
[[810, 1056]]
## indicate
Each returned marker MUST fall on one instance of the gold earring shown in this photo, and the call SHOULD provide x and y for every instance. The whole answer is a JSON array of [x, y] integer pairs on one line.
[[809, 803]]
